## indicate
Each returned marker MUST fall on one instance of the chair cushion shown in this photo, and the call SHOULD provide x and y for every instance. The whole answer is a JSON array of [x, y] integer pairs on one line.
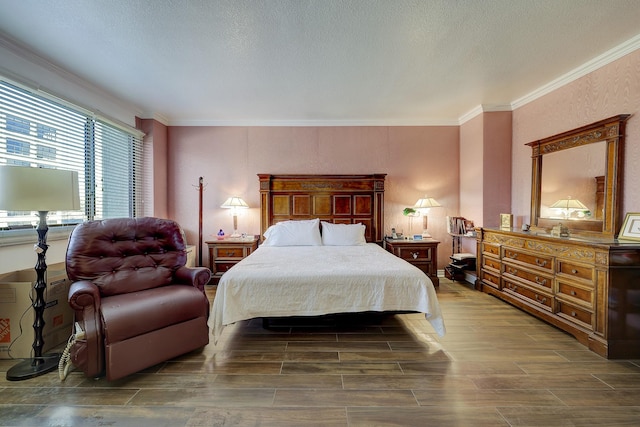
[[126, 254], [136, 313]]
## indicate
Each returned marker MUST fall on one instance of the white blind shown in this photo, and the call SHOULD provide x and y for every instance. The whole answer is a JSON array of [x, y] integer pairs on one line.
[[40, 132]]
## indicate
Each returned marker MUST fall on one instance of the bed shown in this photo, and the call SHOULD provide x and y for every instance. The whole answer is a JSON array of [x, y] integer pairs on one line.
[[322, 254]]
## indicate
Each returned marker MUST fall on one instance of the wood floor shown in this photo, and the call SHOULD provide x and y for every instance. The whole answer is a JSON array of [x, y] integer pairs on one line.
[[495, 367]]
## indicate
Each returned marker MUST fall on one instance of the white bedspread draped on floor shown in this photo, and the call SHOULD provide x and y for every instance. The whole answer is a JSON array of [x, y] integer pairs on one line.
[[316, 280]]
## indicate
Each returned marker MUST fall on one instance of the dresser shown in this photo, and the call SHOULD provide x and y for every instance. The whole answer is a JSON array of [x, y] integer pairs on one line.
[[589, 288], [225, 253], [421, 253]]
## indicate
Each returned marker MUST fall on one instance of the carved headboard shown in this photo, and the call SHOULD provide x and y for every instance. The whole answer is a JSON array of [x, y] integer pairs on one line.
[[341, 199]]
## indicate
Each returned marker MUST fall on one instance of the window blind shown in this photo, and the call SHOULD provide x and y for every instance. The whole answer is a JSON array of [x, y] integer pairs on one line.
[[37, 131]]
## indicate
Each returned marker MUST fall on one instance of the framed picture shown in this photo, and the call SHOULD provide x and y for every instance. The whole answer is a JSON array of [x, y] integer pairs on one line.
[[506, 220], [631, 227]]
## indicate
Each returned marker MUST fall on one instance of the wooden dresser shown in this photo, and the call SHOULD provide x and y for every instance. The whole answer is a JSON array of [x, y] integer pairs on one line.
[[589, 288]]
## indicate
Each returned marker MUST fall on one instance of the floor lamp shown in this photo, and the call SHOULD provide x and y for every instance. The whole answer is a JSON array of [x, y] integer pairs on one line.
[[42, 190]]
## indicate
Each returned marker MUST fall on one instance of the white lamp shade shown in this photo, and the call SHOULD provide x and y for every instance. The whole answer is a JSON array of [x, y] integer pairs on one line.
[[568, 203], [234, 203], [426, 203], [38, 189]]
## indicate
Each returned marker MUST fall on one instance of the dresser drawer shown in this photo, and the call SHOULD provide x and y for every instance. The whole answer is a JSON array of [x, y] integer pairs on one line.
[[414, 254], [229, 252], [534, 260], [491, 263], [532, 277], [582, 293], [424, 266], [221, 267], [489, 279], [575, 314], [576, 271], [490, 248], [540, 299]]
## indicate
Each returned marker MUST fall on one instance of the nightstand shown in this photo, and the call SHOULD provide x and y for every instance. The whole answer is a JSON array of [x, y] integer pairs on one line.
[[421, 253], [224, 254]]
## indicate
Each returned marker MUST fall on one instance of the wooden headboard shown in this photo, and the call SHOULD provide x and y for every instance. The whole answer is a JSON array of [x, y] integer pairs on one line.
[[341, 199]]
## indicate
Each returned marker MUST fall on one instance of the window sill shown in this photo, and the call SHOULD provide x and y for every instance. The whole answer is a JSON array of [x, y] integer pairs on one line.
[[30, 236]]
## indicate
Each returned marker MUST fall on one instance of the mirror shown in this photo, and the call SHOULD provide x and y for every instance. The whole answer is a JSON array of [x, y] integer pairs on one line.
[[568, 187], [576, 178]]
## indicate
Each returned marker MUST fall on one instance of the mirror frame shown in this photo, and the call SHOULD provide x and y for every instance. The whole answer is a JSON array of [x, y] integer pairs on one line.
[[611, 131]]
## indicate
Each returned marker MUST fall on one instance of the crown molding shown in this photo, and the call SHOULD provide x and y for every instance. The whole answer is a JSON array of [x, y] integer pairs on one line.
[[600, 61], [312, 123], [484, 108], [155, 116]]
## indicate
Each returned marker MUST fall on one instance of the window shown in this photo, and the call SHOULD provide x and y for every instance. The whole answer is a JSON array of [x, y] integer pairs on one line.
[[40, 132]]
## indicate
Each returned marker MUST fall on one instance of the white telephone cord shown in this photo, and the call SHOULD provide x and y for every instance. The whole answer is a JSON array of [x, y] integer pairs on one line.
[[64, 366]]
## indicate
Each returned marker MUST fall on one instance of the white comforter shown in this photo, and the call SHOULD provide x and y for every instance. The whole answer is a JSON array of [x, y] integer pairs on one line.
[[316, 280]]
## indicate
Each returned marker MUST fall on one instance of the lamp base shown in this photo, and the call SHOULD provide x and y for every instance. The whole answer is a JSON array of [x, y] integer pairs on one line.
[[31, 368]]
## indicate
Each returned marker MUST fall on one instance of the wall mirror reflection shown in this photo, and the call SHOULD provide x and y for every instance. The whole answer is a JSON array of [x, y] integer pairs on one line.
[[573, 192]]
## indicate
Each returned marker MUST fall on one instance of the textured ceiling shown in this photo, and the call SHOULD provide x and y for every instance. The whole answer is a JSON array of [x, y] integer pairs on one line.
[[319, 61]]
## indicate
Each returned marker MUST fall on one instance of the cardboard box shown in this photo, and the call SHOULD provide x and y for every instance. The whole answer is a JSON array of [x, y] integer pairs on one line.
[[17, 315]]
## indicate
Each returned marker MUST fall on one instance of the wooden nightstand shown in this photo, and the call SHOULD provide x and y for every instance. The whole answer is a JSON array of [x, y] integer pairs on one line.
[[421, 253], [224, 254]]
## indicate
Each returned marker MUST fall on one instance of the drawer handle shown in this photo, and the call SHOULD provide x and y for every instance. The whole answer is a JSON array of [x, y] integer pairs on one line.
[[542, 263], [541, 300], [574, 314], [229, 253], [541, 281], [415, 255], [513, 271], [513, 287], [573, 292], [512, 255], [574, 271]]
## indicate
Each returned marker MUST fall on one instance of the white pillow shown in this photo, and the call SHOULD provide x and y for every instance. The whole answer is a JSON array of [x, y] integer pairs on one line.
[[294, 233], [343, 234]]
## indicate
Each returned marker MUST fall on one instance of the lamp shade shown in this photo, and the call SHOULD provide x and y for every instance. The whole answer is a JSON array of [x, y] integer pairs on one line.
[[234, 203], [569, 204], [38, 189], [427, 202]]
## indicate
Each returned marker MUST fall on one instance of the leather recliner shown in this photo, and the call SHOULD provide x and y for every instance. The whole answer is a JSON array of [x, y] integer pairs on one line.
[[133, 296]]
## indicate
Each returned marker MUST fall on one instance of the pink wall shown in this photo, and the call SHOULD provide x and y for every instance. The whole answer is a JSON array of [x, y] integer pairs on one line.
[[485, 170], [496, 160], [608, 91], [416, 159], [156, 162]]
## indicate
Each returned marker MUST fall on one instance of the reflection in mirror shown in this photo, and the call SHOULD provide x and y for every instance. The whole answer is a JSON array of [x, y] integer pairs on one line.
[[573, 175]]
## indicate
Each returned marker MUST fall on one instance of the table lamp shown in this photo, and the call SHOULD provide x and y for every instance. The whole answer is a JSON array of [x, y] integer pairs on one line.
[[235, 203], [423, 206], [42, 190]]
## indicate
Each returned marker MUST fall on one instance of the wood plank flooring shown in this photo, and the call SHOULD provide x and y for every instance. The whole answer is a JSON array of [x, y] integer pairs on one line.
[[497, 366]]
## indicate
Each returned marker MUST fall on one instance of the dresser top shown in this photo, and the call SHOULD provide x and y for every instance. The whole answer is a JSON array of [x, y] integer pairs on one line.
[[572, 239]]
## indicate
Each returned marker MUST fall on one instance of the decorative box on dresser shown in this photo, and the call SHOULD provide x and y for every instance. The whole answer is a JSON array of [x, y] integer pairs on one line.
[[587, 287], [421, 253], [225, 253]]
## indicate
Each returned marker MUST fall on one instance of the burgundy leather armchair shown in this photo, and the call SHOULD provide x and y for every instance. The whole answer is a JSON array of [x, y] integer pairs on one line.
[[133, 296]]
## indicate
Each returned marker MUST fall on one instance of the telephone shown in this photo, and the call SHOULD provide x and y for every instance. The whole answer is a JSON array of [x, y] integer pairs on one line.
[[64, 366]]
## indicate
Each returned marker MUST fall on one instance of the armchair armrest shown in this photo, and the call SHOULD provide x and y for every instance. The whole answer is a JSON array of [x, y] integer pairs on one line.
[[82, 294], [88, 354], [194, 276]]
